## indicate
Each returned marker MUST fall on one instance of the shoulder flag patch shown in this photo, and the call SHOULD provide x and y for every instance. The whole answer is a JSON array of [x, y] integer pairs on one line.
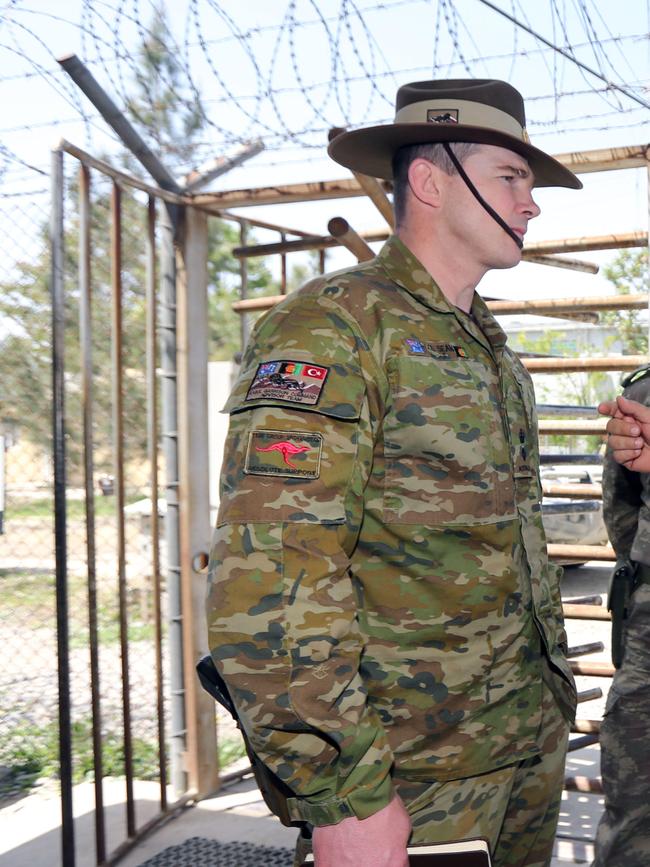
[[293, 381]]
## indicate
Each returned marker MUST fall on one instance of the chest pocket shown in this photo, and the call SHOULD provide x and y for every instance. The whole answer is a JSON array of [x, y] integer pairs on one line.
[[286, 460], [447, 455], [522, 418]]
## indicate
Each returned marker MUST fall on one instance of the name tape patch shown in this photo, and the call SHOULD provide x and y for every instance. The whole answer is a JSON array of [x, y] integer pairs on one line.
[[293, 381], [295, 454], [434, 350]]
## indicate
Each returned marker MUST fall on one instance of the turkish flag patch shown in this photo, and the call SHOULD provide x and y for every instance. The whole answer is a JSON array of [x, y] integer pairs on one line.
[[295, 454], [292, 381]]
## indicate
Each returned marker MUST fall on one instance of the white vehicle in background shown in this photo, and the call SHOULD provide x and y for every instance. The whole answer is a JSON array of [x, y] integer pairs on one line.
[[573, 520]]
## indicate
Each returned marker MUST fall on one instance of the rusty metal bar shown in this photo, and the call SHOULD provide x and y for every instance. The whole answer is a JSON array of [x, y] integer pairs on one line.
[[85, 81], [584, 649], [576, 492], [118, 458], [243, 285], [339, 228], [85, 339], [582, 742], [585, 612], [221, 165], [148, 828], [309, 242], [152, 451], [585, 600], [574, 365], [117, 175], [583, 784], [57, 290], [593, 669], [589, 694], [283, 268]]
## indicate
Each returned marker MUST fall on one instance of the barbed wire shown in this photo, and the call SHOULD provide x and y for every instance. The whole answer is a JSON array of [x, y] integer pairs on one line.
[[341, 68]]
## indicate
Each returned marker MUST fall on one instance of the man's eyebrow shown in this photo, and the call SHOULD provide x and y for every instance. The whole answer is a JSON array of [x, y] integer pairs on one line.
[[515, 170]]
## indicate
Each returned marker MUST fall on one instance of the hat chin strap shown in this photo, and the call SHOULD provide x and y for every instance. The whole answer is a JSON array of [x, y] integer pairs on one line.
[[479, 198]]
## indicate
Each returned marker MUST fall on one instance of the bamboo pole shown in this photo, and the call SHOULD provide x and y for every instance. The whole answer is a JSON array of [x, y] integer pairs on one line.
[[568, 427], [585, 612], [557, 306], [576, 492], [563, 262], [597, 160], [539, 251], [574, 365], [550, 306], [596, 242], [583, 553], [592, 669]]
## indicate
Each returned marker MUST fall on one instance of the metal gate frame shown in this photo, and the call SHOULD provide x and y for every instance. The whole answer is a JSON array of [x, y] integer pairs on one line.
[[182, 336]]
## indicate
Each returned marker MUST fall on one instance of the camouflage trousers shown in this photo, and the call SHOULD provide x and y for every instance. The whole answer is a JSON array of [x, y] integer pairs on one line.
[[515, 808], [623, 836]]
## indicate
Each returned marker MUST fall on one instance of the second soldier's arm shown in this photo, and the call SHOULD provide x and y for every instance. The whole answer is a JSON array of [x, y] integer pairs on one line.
[[283, 605], [621, 500]]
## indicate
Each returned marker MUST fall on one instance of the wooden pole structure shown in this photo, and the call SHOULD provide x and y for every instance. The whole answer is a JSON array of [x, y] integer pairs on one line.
[[341, 229]]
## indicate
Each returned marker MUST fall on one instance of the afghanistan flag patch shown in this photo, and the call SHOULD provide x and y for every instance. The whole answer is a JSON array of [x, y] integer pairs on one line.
[[293, 381]]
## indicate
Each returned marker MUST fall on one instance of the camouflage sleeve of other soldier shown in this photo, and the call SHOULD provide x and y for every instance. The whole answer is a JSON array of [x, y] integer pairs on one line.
[[623, 488]]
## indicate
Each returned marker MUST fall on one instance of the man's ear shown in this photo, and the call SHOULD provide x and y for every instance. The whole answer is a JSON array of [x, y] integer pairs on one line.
[[425, 181]]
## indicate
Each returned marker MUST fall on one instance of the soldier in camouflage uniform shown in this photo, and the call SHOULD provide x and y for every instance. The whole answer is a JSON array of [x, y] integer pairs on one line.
[[381, 604], [623, 837]]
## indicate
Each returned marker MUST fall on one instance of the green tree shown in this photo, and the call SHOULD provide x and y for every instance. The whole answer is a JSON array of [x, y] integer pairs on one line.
[[628, 273]]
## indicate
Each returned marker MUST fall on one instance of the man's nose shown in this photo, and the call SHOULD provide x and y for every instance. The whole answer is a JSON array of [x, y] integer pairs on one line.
[[530, 207]]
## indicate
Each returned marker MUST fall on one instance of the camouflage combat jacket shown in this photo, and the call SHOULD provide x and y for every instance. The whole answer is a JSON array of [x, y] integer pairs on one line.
[[380, 596]]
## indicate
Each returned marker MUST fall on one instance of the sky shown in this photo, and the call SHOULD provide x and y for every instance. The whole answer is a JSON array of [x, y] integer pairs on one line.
[[287, 71]]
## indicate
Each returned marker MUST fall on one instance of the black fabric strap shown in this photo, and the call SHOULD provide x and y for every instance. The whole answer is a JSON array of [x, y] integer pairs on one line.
[[479, 198]]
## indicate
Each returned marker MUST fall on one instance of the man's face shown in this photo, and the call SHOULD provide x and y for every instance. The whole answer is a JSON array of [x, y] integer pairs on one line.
[[505, 181]]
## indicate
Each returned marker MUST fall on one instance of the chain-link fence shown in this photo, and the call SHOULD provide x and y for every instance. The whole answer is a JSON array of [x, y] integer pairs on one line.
[[28, 678]]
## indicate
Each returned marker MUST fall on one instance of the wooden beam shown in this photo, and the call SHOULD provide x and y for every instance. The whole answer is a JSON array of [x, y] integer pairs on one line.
[[343, 232], [574, 365]]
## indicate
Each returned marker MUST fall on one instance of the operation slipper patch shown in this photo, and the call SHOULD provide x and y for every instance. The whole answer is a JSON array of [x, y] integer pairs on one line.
[[293, 381], [295, 454]]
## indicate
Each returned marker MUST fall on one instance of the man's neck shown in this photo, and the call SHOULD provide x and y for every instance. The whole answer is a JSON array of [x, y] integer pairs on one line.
[[456, 278]]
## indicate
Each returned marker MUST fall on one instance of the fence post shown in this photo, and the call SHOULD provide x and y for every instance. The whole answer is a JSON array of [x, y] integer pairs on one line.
[[192, 318]]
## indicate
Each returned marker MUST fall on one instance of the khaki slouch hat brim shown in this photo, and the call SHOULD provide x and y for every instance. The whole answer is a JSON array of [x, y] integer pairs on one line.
[[483, 111]]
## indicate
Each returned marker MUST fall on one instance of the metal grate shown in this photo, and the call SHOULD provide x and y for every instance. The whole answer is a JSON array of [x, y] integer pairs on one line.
[[200, 852]]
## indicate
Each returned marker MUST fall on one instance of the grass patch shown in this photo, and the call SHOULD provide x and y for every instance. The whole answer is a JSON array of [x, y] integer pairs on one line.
[[34, 753], [230, 750], [76, 508]]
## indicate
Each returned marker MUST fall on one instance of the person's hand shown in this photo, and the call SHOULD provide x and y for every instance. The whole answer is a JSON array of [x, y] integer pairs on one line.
[[378, 841], [628, 432]]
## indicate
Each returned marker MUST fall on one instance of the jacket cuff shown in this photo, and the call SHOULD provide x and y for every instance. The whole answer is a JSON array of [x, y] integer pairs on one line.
[[362, 802]]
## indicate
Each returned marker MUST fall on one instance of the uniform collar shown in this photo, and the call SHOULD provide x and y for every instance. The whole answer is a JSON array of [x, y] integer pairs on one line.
[[405, 269]]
